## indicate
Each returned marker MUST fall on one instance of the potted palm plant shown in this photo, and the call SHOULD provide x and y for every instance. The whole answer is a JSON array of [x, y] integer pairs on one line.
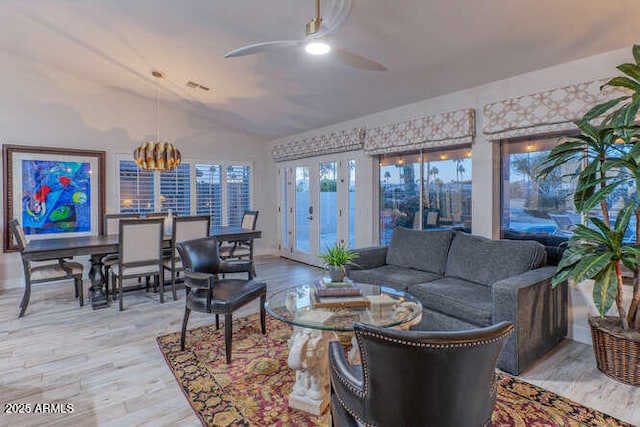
[[335, 258], [608, 151]]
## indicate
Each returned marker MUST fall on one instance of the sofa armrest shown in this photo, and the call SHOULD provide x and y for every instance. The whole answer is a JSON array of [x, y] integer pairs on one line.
[[370, 257], [537, 311]]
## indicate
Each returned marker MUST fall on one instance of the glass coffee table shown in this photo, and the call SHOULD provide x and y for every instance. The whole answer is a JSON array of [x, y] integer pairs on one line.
[[315, 326]]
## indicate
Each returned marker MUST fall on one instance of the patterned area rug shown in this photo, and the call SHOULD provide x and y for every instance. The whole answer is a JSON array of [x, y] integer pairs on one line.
[[253, 389]]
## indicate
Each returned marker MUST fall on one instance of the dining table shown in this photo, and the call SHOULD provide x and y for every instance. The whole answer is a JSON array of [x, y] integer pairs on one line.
[[97, 246]]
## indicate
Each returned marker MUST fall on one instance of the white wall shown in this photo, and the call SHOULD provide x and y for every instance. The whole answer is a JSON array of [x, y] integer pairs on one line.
[[40, 106], [486, 170]]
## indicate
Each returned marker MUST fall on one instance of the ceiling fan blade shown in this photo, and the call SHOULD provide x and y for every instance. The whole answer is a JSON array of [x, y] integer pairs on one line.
[[357, 61], [262, 47]]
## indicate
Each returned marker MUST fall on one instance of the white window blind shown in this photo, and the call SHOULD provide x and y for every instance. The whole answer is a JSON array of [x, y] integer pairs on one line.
[[222, 190], [238, 192], [209, 192], [175, 190], [136, 188]]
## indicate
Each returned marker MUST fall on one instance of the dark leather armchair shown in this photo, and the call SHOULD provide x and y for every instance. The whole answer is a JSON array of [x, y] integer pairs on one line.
[[206, 293], [410, 378]]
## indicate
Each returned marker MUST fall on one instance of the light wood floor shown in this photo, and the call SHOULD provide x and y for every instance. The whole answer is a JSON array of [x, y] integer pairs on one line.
[[108, 365]]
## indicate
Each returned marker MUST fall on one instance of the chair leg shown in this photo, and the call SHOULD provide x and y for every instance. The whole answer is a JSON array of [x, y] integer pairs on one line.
[[263, 325], [217, 322], [120, 293], [187, 311], [80, 291], [160, 281], [75, 288], [25, 298], [228, 329], [173, 283]]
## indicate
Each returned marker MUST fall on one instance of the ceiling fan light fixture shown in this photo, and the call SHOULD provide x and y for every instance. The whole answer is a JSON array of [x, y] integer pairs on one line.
[[317, 47]]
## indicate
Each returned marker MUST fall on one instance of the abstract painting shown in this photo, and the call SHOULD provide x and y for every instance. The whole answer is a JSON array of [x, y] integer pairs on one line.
[[53, 192], [56, 197]]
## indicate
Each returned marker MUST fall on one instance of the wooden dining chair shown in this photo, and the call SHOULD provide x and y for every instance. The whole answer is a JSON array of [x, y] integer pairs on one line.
[[111, 225], [140, 253], [168, 226], [241, 249], [184, 228], [46, 271]]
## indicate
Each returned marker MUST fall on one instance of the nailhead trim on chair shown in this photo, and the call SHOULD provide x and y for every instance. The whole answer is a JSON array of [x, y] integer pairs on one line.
[[347, 383], [344, 405], [470, 343], [365, 370]]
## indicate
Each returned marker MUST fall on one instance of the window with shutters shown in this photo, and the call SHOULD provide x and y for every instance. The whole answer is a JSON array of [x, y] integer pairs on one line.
[[136, 188], [238, 182], [175, 190], [223, 190], [209, 192]]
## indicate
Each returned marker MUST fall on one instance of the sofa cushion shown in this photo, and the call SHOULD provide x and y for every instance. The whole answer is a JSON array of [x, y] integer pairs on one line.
[[468, 301], [420, 250], [392, 276], [486, 261], [554, 245]]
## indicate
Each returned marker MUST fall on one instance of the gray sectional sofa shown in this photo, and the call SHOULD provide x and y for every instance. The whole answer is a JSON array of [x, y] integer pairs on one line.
[[465, 281]]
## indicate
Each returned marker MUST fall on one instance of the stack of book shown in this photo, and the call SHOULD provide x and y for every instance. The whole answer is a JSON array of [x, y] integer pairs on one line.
[[328, 294]]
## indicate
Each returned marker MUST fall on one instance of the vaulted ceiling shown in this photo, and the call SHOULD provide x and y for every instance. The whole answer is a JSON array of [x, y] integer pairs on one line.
[[430, 48]]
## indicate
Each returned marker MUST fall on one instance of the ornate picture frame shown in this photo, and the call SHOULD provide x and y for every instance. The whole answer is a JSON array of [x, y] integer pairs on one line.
[[54, 192]]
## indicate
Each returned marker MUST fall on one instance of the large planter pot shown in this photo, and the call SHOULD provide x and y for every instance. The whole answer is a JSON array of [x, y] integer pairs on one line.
[[617, 354], [336, 273]]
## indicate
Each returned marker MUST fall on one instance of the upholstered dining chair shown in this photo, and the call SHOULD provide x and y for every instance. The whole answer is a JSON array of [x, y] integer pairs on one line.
[[207, 293], [45, 271], [111, 225], [411, 378], [140, 253], [241, 249], [184, 228]]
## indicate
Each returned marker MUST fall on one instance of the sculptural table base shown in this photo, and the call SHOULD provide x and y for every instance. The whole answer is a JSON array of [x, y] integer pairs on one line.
[[308, 356]]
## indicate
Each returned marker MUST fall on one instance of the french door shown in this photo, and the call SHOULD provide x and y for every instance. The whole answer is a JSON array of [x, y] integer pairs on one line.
[[317, 205]]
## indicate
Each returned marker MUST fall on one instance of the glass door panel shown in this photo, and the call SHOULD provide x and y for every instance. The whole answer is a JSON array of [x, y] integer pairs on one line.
[[302, 209], [328, 205], [352, 203], [317, 207], [284, 209]]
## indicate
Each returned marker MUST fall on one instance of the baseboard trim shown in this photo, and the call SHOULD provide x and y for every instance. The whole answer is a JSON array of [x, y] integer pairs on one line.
[[579, 333]]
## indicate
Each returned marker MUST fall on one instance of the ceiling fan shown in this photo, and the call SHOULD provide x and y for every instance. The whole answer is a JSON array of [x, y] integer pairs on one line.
[[314, 43]]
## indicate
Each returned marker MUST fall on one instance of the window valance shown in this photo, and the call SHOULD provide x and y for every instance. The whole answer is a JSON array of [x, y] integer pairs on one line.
[[440, 130], [334, 142], [544, 112]]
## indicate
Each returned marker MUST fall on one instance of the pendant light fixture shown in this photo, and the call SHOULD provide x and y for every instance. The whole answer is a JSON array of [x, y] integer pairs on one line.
[[158, 155]]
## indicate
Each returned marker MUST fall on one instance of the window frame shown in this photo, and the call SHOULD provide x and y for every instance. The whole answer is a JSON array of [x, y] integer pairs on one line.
[[422, 155], [223, 163], [520, 140]]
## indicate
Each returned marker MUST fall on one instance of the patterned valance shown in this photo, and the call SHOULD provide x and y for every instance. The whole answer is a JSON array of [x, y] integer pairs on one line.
[[440, 130], [334, 142], [544, 112]]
